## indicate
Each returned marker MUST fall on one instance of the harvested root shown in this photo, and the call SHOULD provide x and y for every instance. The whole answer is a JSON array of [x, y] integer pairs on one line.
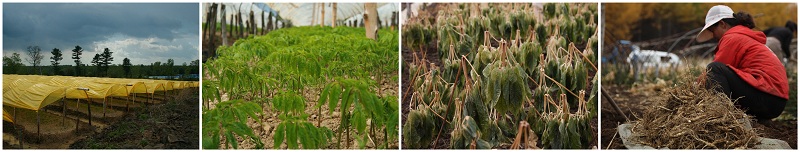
[[688, 116]]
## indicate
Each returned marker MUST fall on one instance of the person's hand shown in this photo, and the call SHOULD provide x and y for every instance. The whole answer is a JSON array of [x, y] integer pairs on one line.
[[701, 81]]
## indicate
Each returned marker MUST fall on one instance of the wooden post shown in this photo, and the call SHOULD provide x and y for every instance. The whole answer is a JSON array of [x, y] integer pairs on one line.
[[253, 24], [76, 117], [333, 10], [89, 108], [241, 24], [212, 19], [207, 22], [394, 19], [269, 22], [263, 23], [38, 126], [371, 20], [314, 14], [224, 27], [322, 14], [63, 111], [19, 131], [104, 107], [230, 31]]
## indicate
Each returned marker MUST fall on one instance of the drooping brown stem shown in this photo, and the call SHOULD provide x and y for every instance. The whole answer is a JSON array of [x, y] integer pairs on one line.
[[466, 75], [517, 40], [486, 36]]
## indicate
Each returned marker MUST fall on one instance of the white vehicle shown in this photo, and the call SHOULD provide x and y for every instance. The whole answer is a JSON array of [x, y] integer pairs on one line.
[[640, 60], [653, 58]]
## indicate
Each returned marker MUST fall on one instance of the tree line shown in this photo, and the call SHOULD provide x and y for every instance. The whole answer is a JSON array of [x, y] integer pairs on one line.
[[100, 66]]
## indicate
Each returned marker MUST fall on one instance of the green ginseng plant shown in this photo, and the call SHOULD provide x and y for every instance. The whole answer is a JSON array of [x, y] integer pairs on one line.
[[347, 93], [294, 129], [229, 118], [210, 93]]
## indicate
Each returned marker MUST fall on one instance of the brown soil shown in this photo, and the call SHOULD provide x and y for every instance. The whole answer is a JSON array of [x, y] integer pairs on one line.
[[172, 125]]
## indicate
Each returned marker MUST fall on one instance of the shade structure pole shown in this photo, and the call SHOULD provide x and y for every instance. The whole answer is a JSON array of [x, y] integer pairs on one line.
[[89, 108], [19, 132], [63, 111], [88, 105], [104, 107], [76, 118], [38, 126]]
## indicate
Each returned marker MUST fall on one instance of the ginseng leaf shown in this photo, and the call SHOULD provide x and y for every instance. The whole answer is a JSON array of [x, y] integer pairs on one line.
[[291, 135], [280, 134], [231, 140]]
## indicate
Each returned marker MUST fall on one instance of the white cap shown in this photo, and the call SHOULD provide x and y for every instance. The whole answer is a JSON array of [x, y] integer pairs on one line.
[[715, 14]]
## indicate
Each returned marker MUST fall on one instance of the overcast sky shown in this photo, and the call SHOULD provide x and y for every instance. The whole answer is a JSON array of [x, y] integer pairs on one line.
[[144, 33]]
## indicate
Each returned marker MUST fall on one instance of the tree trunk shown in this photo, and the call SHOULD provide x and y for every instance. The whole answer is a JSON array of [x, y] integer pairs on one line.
[[371, 20]]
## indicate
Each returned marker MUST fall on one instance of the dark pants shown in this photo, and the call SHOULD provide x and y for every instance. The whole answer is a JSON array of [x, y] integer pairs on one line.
[[755, 102]]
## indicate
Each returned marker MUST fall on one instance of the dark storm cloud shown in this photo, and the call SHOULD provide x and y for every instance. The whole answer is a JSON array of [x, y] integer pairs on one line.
[[56, 25]]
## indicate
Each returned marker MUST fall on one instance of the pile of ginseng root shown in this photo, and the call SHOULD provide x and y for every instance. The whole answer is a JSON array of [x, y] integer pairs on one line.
[[689, 116]]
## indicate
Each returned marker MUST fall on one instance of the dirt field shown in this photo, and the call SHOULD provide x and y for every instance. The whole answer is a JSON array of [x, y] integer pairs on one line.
[[171, 125]]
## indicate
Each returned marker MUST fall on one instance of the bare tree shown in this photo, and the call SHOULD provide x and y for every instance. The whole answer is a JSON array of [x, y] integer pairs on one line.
[[36, 56]]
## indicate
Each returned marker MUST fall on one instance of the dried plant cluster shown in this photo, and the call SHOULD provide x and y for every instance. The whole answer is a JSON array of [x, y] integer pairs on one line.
[[688, 116], [511, 76]]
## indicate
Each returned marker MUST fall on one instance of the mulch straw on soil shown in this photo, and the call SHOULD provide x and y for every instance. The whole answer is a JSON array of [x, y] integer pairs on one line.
[[688, 116]]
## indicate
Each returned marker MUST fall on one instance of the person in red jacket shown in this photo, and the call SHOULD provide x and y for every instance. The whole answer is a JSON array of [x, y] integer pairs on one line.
[[744, 68]]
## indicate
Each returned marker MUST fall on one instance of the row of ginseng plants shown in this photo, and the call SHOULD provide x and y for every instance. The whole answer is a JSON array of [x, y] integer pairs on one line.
[[339, 66], [508, 75]]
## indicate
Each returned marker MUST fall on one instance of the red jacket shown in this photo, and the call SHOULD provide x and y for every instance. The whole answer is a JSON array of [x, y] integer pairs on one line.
[[743, 50]]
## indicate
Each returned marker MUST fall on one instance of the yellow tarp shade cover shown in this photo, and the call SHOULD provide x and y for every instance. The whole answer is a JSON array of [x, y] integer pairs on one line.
[[29, 95], [35, 91], [7, 117], [73, 84]]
